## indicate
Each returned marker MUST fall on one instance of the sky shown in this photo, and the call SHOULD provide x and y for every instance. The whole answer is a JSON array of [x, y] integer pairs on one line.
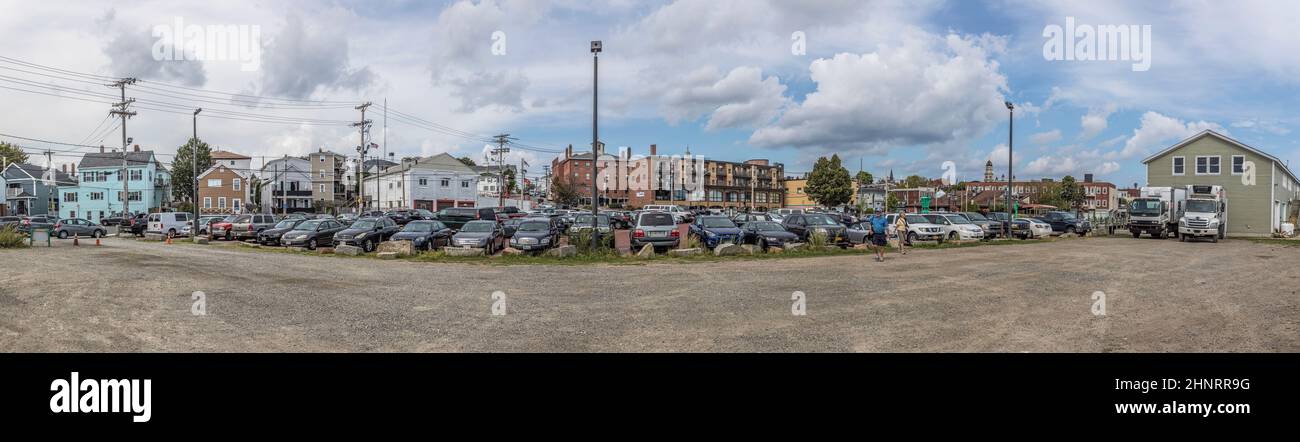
[[901, 86]]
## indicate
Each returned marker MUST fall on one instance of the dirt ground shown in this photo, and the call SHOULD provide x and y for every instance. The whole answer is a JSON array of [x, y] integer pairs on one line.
[[1160, 296]]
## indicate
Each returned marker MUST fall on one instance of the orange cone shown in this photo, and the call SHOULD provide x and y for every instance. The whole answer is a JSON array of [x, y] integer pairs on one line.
[[96, 242], [169, 239]]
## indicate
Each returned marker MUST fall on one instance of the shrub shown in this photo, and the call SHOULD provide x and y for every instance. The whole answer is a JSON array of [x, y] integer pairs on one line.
[[693, 242], [10, 238], [817, 239], [582, 242]]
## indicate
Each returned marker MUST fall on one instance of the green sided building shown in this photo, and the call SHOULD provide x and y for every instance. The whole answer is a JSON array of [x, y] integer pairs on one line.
[[1262, 193]]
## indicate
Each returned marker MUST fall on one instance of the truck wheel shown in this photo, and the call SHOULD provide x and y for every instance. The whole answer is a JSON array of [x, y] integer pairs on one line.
[[1182, 239], [1069, 230], [229, 236], [1136, 234]]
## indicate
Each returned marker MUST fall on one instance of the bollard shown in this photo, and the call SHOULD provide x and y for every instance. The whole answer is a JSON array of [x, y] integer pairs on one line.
[[75, 238]]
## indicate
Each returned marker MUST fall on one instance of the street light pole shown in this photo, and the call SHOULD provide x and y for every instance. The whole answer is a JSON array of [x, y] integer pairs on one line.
[[194, 174], [595, 143], [1011, 120]]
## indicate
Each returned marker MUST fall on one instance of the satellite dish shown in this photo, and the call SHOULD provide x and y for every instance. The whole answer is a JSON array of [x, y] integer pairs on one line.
[[939, 194]]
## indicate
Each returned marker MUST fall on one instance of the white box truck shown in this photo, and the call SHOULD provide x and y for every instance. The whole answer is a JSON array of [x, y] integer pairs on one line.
[[1206, 214], [1156, 211]]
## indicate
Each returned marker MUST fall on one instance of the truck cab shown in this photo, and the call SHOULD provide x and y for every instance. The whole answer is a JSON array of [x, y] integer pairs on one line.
[[1206, 214], [1157, 211]]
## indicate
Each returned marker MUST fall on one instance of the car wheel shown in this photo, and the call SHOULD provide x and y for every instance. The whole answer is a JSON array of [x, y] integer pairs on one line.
[[1136, 234], [368, 246], [63, 234], [97, 234], [1214, 239], [762, 244], [1069, 230], [911, 238], [952, 236], [311, 245]]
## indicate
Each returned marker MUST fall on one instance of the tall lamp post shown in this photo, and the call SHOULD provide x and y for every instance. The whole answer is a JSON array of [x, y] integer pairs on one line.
[[1011, 120], [595, 143], [194, 174]]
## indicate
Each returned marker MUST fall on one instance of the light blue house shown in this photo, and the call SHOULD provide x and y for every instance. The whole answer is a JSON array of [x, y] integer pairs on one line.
[[33, 190], [101, 191]]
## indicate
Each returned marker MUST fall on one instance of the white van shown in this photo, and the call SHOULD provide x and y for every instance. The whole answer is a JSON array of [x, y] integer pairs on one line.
[[167, 223]]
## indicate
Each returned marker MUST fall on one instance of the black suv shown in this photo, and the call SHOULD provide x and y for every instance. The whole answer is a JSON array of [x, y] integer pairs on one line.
[[804, 225], [456, 217], [1066, 222]]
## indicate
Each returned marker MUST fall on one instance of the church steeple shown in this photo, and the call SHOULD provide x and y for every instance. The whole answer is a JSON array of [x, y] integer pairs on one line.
[[988, 171]]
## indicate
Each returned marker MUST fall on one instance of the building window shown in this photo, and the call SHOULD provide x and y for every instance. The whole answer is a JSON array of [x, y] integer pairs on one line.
[[221, 202], [71, 197], [96, 196], [464, 184], [1180, 166], [446, 182], [235, 205], [1207, 165], [216, 182], [322, 188], [238, 184], [424, 182], [137, 175], [207, 202], [1238, 164]]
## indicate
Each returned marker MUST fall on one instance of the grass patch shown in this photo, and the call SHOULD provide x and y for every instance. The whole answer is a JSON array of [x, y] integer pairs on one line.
[[10, 238]]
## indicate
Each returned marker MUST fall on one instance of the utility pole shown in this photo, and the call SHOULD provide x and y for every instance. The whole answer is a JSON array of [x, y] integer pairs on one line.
[[123, 110], [596, 46], [363, 128], [386, 154], [500, 152], [194, 174], [1011, 120]]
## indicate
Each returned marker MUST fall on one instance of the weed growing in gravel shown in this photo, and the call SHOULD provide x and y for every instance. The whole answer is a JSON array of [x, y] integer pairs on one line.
[[10, 238]]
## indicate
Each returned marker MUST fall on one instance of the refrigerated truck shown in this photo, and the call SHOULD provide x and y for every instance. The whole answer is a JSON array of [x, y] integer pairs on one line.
[[1206, 213], [1156, 211]]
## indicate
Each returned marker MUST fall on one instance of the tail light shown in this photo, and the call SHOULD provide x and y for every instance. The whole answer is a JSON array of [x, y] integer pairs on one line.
[[58, 226], [250, 227], [639, 233], [677, 233]]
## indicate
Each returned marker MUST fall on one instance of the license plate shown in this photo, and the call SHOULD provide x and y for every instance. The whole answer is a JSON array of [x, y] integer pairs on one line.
[[658, 234]]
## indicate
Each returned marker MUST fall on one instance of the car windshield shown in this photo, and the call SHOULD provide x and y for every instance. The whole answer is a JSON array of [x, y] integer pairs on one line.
[[1144, 207], [285, 224], [1066, 215], [766, 226], [418, 227], [917, 219], [957, 219], [309, 225], [820, 220], [229, 219], [976, 217], [1202, 206], [364, 224], [478, 226], [657, 219], [720, 223], [534, 226]]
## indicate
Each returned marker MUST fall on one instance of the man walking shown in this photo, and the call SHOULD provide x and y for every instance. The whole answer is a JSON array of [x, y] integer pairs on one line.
[[879, 228]]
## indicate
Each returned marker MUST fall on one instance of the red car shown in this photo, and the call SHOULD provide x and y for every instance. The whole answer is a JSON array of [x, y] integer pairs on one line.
[[223, 229]]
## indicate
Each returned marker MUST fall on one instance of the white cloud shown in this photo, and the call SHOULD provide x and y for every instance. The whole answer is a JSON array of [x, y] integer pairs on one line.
[[928, 90], [1157, 129], [1048, 137], [743, 98], [1095, 121]]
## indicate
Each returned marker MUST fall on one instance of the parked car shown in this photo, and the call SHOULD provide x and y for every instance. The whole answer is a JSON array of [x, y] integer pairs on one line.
[[992, 228], [225, 227], [583, 223], [713, 230], [486, 235], [843, 219], [510, 225], [425, 235], [205, 223], [618, 219], [271, 236], [658, 229], [742, 218], [919, 228], [509, 211], [679, 214], [766, 234], [535, 234], [1066, 222], [456, 217], [67, 228], [367, 233], [346, 218], [1026, 228], [955, 226], [401, 217], [27, 223], [6, 221], [138, 224], [168, 223], [312, 233], [804, 225], [112, 220], [859, 233], [248, 226]]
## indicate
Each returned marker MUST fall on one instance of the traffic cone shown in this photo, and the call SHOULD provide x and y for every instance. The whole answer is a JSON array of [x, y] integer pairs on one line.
[[169, 239], [96, 241]]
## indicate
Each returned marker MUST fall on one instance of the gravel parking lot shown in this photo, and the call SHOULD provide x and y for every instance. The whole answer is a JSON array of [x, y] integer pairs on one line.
[[1161, 296]]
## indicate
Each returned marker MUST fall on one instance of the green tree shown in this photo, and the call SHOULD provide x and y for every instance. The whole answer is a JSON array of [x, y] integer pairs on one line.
[[1071, 193], [863, 177], [829, 183], [12, 153], [467, 161], [915, 181], [182, 172], [509, 177], [563, 192], [892, 204]]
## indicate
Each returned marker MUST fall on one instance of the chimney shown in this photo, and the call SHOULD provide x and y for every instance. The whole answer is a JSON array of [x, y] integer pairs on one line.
[[101, 148], [136, 148], [654, 150], [74, 169], [568, 152], [65, 168]]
